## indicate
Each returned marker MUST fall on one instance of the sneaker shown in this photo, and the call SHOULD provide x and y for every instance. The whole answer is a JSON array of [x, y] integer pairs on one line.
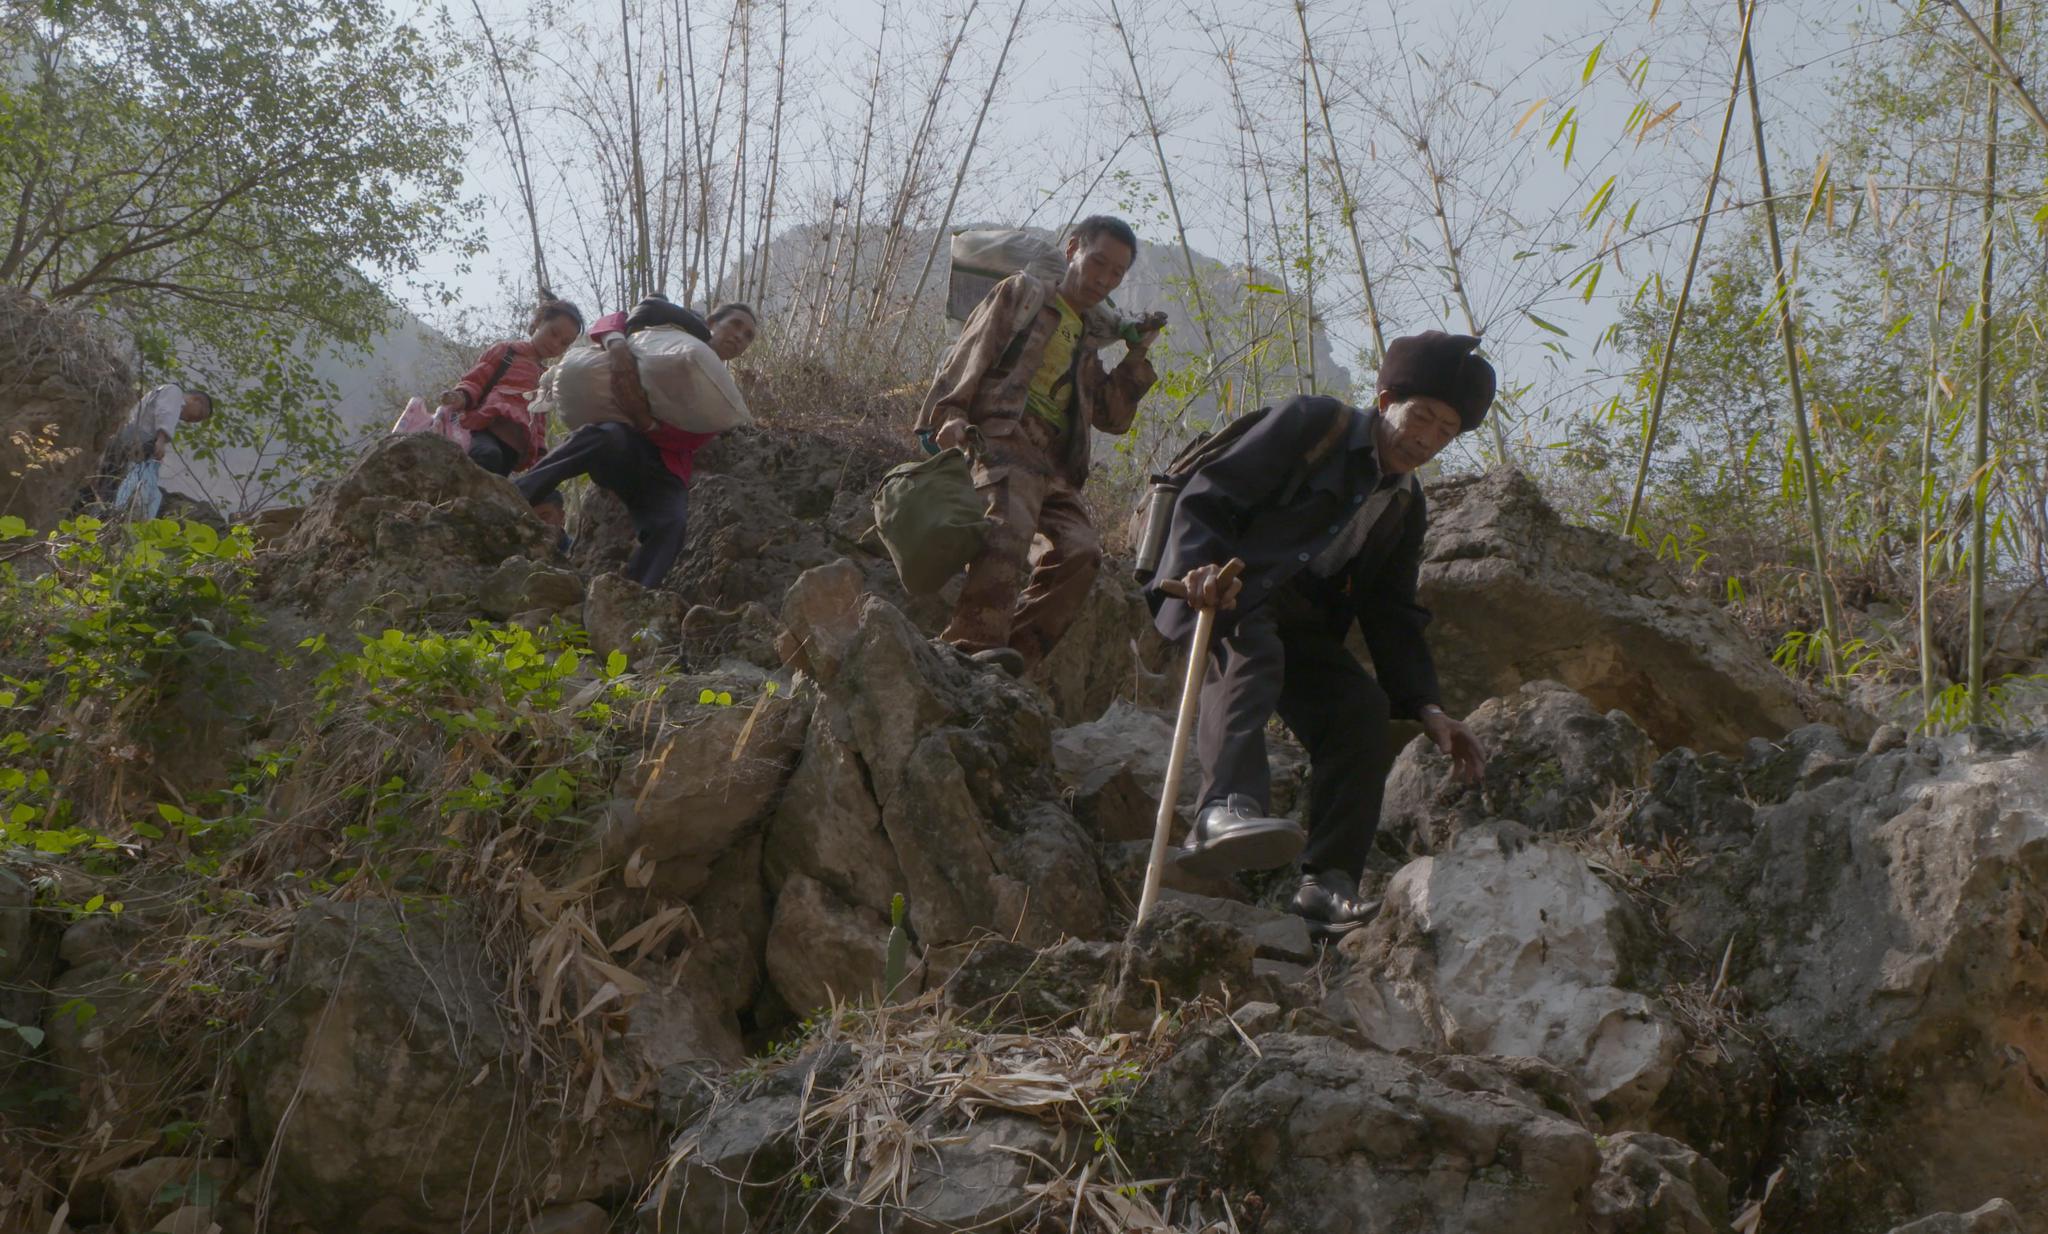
[[1329, 902], [1233, 835], [1009, 659]]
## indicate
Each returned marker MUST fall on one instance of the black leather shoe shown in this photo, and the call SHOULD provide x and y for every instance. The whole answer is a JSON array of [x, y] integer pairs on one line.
[[1232, 835], [1009, 659], [1330, 904]]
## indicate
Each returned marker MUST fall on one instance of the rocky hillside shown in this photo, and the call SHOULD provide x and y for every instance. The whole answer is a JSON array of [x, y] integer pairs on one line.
[[466, 887]]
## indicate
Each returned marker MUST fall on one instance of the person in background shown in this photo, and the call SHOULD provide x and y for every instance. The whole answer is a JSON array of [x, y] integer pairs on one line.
[[733, 326], [493, 399], [647, 465], [146, 435]]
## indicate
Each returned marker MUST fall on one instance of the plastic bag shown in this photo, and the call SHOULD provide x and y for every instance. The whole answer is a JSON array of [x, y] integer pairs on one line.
[[416, 418], [141, 493], [687, 385]]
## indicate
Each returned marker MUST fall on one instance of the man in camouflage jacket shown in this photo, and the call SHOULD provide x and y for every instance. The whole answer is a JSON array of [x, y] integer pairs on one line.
[[1024, 373]]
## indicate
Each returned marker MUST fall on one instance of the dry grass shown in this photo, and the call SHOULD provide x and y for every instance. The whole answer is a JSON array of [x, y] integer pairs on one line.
[[921, 1074]]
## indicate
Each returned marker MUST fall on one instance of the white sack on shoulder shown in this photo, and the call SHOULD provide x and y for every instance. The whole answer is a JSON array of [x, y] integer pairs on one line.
[[687, 385]]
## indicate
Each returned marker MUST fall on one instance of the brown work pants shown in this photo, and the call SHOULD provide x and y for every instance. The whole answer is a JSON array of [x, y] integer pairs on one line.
[[1026, 496]]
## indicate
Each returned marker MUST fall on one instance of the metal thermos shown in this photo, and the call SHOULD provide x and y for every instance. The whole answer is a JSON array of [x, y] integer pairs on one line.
[[1158, 516]]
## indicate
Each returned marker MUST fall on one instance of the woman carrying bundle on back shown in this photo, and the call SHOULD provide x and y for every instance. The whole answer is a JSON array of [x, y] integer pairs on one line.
[[641, 460], [493, 400]]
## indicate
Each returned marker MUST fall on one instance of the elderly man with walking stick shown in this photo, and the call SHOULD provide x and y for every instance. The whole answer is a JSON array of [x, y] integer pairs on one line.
[[1318, 505]]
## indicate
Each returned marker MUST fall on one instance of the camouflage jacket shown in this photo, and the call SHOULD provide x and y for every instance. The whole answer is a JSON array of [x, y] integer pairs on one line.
[[984, 378]]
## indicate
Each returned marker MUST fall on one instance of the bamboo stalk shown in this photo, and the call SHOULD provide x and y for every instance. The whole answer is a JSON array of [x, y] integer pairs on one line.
[[518, 143], [1273, 221], [643, 254], [1349, 207], [1443, 220], [706, 149], [1692, 261], [736, 201], [774, 153], [858, 204], [1308, 233], [1981, 454], [931, 256], [1166, 174], [899, 214], [1831, 615], [2006, 74]]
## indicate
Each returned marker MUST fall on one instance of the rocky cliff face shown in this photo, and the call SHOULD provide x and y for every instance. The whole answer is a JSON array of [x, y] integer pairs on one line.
[[63, 391], [1678, 964]]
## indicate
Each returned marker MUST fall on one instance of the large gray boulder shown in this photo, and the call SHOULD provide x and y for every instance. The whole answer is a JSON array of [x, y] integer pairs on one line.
[[1553, 763], [1335, 1138], [413, 530], [1884, 924], [385, 1083], [1502, 948], [1519, 596]]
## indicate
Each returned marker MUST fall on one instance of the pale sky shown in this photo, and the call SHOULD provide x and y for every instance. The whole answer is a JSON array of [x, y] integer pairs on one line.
[[1066, 106]]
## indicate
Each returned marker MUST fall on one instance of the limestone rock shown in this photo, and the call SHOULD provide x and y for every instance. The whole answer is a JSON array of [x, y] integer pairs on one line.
[[1114, 766], [1491, 949], [1337, 1139], [739, 1148], [820, 947], [382, 1074], [1887, 923], [827, 825], [1553, 763], [66, 388], [1996, 1217], [1522, 597], [1652, 1185], [1177, 954], [413, 529], [1274, 936], [711, 774], [1104, 654], [522, 586], [821, 611], [621, 615]]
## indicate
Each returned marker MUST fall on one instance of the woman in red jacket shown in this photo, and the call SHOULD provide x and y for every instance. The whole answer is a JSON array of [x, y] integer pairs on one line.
[[493, 399]]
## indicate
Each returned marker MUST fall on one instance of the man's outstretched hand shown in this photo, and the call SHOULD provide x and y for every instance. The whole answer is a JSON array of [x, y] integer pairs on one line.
[[1456, 742], [1210, 587]]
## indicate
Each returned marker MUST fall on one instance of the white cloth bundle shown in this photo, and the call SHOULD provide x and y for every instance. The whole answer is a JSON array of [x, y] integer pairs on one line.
[[687, 385]]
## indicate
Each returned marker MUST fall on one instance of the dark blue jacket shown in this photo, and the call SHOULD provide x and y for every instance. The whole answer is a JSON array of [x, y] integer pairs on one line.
[[1232, 508]]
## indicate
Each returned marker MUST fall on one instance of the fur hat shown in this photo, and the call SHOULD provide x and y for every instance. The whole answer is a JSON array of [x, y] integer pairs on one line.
[[1441, 366]]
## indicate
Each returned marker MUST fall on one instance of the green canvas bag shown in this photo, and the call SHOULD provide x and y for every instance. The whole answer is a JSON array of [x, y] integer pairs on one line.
[[931, 519]]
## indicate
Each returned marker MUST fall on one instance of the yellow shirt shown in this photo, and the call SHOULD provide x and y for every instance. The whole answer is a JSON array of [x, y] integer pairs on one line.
[[1052, 388]]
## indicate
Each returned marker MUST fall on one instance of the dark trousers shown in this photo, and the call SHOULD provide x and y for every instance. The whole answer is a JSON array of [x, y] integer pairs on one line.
[[625, 462], [1288, 656], [499, 457]]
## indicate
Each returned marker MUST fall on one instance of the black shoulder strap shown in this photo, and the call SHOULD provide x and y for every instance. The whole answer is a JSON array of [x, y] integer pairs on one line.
[[1339, 428], [504, 363]]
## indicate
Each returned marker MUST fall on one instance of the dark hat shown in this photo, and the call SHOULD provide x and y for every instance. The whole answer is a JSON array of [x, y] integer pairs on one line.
[[1441, 366]]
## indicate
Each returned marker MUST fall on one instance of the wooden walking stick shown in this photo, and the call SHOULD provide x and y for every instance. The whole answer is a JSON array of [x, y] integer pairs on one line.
[[1183, 729]]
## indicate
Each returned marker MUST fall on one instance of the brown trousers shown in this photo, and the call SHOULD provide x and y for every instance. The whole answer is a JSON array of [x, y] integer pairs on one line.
[[1026, 496]]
